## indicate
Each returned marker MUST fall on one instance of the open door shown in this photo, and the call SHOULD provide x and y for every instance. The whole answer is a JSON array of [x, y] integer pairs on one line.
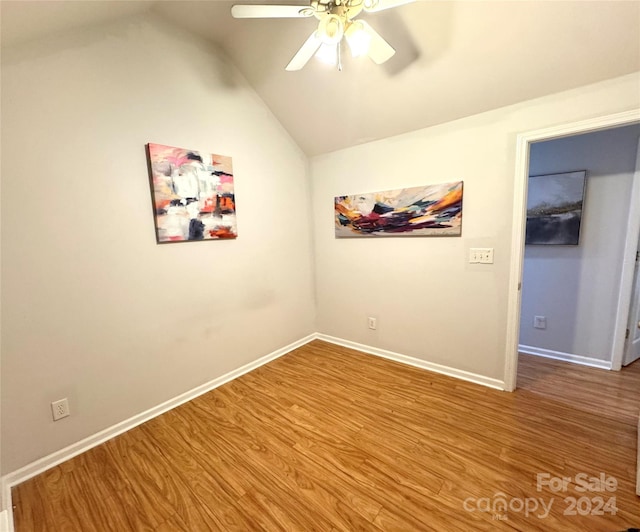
[[632, 343]]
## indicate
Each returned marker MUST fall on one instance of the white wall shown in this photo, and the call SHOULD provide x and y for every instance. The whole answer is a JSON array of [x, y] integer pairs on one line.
[[93, 309], [577, 287], [430, 303]]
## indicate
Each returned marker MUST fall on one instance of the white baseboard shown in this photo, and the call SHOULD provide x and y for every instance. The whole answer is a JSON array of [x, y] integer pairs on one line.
[[52, 460], [419, 363], [566, 357]]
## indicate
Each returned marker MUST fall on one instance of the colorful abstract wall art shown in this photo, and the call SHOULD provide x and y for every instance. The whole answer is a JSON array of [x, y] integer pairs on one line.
[[192, 194], [554, 208], [418, 211]]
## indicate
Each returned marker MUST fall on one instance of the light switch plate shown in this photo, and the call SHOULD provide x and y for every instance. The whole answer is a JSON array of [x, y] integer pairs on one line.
[[481, 256]]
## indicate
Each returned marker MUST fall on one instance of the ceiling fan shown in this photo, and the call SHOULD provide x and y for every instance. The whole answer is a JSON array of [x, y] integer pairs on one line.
[[336, 21]]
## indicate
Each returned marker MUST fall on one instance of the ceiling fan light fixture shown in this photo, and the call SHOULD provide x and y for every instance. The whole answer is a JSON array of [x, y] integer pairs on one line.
[[331, 29], [336, 20], [358, 39], [328, 54]]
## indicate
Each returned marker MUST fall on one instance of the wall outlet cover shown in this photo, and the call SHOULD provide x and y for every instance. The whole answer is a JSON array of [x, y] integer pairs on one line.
[[539, 322], [60, 409]]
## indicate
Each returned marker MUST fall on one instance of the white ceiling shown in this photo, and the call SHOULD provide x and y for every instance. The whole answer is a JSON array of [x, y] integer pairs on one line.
[[454, 58]]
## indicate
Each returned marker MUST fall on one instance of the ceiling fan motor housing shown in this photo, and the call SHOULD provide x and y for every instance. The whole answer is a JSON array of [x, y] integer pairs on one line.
[[345, 10], [331, 29]]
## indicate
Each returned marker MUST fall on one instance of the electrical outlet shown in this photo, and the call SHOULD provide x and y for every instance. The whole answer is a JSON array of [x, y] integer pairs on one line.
[[372, 322], [60, 409], [540, 322]]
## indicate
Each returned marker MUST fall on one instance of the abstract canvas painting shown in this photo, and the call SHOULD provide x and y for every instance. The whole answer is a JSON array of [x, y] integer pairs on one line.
[[554, 208], [192, 193], [417, 211]]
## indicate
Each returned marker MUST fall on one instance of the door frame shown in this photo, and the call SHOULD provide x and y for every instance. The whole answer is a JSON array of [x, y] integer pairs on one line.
[[521, 177], [628, 271]]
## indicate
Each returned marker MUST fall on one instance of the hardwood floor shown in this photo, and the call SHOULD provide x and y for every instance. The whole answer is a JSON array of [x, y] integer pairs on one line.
[[326, 438]]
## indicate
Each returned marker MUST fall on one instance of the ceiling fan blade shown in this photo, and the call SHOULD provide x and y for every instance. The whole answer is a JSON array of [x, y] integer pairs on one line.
[[379, 49], [305, 53], [381, 5], [267, 11]]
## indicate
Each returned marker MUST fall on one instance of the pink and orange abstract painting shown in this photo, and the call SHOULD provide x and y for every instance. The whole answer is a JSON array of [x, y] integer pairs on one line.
[[417, 211], [192, 193]]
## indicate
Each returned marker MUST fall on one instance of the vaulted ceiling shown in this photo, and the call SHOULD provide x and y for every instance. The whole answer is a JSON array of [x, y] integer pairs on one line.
[[454, 58]]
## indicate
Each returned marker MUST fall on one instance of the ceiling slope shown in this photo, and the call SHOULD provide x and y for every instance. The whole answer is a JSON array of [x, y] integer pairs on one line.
[[454, 58]]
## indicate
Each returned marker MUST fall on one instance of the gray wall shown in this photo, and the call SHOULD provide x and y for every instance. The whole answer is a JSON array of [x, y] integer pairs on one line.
[[577, 287]]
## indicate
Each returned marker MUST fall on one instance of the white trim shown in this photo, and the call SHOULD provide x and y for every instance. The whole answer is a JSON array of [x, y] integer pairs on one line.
[[566, 357], [419, 363], [43, 464], [628, 270], [516, 265], [52, 460], [7, 504], [4, 522], [519, 216]]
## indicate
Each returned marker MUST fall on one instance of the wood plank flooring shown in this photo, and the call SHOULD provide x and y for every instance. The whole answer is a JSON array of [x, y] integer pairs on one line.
[[329, 439]]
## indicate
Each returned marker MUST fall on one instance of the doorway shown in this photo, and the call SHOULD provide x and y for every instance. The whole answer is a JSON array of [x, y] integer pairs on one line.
[[524, 142], [632, 344], [570, 285]]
